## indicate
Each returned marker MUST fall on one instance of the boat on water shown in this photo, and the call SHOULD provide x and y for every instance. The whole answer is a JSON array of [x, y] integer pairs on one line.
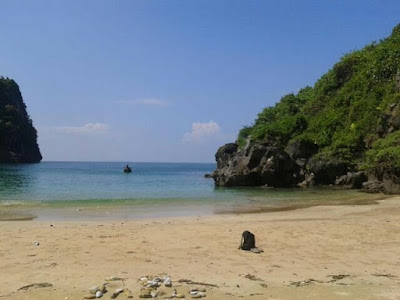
[[127, 169]]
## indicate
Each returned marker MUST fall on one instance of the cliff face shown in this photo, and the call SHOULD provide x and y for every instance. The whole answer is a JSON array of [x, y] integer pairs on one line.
[[254, 165], [345, 130], [18, 137]]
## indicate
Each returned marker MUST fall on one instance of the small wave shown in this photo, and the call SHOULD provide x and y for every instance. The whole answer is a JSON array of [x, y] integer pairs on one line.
[[16, 203], [11, 203]]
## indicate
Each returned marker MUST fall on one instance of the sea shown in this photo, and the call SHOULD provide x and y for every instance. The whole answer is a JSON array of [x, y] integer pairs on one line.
[[101, 190]]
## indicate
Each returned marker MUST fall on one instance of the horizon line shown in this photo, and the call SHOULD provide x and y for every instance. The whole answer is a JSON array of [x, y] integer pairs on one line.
[[128, 161]]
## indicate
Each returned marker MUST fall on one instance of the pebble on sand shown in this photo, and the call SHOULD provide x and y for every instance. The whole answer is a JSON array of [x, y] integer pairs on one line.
[[99, 294], [167, 282], [116, 293], [197, 294]]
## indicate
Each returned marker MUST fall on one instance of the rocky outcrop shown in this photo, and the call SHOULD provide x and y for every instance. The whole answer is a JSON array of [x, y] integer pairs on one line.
[[372, 186], [255, 165], [225, 154], [387, 183], [301, 150], [392, 118], [259, 164], [327, 170], [391, 184], [18, 137], [352, 180]]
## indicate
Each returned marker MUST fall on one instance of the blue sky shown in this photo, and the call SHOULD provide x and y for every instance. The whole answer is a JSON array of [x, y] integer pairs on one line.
[[170, 80]]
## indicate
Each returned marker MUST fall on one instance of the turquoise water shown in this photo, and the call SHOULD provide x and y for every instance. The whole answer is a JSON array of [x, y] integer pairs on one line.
[[71, 181], [102, 190]]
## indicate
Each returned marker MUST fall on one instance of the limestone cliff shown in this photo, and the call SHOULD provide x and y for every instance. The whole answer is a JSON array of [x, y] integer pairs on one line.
[[18, 137], [255, 165]]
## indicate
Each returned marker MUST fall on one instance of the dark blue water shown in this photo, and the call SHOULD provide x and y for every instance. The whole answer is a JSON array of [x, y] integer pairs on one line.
[[152, 189]]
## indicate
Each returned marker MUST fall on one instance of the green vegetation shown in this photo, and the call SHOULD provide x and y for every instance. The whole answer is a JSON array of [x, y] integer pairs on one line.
[[385, 155], [344, 110]]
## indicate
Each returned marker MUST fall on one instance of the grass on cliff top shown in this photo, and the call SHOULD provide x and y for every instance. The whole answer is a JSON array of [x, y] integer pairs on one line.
[[344, 109]]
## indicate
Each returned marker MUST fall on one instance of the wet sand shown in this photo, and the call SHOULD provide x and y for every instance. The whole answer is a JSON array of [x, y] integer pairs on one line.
[[321, 252], [170, 208]]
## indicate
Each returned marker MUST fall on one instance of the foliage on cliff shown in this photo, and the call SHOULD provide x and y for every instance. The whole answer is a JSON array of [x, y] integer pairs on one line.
[[385, 154], [18, 137], [345, 112]]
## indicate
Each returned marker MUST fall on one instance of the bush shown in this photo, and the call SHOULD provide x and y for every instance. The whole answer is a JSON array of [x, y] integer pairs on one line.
[[384, 155]]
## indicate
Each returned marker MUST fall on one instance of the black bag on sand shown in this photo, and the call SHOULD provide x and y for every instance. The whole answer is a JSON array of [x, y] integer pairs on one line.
[[248, 241]]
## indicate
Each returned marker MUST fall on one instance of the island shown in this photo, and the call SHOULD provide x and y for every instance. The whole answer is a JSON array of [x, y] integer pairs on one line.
[[18, 137]]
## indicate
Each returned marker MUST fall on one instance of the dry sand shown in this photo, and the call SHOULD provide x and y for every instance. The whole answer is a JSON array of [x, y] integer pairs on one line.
[[304, 252]]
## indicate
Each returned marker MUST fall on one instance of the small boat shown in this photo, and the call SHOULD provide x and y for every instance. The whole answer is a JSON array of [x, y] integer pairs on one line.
[[127, 169]]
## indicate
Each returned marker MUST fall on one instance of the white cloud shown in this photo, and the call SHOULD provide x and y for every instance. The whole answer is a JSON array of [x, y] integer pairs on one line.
[[85, 129], [201, 132], [148, 102]]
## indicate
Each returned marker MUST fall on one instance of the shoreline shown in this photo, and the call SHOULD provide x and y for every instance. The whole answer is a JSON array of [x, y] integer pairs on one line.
[[108, 210], [305, 250]]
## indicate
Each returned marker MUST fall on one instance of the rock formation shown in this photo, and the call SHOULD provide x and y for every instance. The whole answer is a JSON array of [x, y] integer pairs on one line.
[[261, 165], [18, 137], [254, 165]]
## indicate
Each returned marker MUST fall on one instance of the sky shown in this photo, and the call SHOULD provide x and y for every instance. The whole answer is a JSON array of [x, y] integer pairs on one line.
[[170, 81]]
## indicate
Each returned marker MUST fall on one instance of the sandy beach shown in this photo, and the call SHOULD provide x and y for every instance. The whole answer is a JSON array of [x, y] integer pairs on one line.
[[322, 252]]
